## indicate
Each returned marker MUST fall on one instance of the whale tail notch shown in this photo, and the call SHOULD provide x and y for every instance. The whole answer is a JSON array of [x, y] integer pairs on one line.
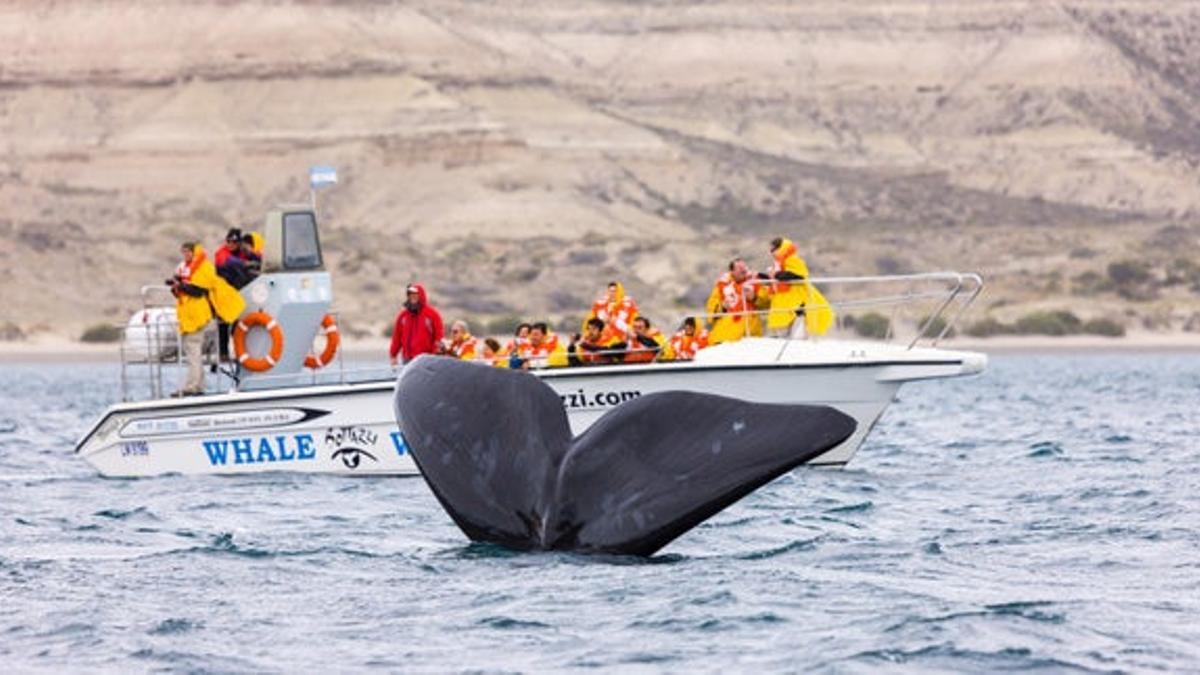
[[497, 452]]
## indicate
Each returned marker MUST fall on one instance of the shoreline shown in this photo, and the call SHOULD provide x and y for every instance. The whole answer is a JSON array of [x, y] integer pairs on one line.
[[61, 350]]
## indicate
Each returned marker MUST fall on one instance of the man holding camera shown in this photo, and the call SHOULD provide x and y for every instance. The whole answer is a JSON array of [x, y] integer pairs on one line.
[[198, 293]]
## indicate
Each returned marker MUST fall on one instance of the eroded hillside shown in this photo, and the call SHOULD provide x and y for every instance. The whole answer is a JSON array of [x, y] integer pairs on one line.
[[516, 159]]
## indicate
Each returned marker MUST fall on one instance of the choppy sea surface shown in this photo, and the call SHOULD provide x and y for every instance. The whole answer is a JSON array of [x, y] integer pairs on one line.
[[1045, 515]]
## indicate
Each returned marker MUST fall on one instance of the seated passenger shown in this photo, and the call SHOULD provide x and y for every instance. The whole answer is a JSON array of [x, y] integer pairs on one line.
[[512, 350], [616, 309], [543, 350], [791, 296], [688, 340], [647, 343], [733, 304], [591, 348], [462, 344], [492, 353]]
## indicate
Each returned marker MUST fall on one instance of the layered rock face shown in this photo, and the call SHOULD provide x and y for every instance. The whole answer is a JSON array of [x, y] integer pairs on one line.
[[516, 158]]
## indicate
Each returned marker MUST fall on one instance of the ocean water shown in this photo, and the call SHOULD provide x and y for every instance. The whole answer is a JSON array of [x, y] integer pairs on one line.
[[1043, 516]]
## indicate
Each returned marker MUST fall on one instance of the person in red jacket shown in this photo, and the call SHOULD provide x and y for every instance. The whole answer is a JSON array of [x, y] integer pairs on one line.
[[418, 328]]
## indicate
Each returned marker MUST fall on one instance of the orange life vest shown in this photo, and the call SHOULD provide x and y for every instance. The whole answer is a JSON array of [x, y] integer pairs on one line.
[[465, 348], [639, 353], [685, 346]]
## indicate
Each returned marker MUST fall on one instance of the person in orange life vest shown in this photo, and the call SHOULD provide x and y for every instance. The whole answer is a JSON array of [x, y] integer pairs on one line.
[[512, 348], [493, 354], [591, 349], [544, 350], [462, 345], [616, 309], [731, 305], [418, 329], [647, 343], [688, 340]]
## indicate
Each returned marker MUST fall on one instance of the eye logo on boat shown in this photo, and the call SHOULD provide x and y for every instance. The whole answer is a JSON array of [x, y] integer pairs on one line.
[[352, 457], [350, 444]]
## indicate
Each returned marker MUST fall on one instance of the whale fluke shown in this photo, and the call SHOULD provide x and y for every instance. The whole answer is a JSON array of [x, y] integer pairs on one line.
[[495, 447]]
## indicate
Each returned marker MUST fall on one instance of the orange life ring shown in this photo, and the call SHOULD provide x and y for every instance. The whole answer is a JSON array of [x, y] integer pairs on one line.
[[267, 361], [332, 340]]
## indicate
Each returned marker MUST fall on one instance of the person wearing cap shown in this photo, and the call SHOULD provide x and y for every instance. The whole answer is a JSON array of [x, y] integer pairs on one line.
[[235, 261], [238, 266], [418, 328]]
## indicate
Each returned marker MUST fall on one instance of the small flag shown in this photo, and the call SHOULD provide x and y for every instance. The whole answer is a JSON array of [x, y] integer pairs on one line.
[[320, 176]]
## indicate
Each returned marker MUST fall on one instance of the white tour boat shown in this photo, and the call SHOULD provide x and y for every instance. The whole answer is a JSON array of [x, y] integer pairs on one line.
[[337, 420]]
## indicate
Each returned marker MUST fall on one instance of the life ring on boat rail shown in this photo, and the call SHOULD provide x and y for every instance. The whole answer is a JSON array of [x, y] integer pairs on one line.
[[332, 339], [257, 364]]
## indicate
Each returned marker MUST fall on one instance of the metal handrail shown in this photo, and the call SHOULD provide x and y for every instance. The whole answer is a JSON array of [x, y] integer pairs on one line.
[[960, 292], [958, 282]]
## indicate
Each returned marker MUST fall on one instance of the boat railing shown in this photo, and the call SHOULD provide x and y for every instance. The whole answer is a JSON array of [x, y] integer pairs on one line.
[[153, 343], [151, 352], [157, 345], [949, 294]]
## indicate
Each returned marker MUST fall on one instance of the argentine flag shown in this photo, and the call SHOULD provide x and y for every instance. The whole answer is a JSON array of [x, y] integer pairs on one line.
[[320, 176]]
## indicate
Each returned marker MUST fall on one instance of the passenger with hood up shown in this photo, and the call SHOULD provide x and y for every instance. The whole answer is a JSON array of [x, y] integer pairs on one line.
[[418, 329], [616, 309], [198, 293], [793, 295]]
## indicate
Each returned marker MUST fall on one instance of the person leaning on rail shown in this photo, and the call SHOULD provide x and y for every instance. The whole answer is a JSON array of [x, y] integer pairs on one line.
[[647, 343], [792, 295], [590, 348]]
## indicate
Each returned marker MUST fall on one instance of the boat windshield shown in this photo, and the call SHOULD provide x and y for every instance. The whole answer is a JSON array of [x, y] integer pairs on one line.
[[301, 248]]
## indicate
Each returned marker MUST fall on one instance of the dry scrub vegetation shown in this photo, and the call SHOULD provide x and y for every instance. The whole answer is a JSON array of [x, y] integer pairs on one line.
[[516, 157]]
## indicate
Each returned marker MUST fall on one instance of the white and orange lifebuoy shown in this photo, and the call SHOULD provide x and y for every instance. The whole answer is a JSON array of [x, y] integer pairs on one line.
[[260, 363], [332, 339]]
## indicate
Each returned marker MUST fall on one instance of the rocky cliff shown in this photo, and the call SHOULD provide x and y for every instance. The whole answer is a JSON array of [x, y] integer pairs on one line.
[[515, 158]]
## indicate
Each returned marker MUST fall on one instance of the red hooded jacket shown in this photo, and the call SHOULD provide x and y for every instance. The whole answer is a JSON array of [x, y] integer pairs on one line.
[[418, 329]]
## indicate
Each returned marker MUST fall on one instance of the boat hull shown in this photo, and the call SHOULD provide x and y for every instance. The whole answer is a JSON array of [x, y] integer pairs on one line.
[[350, 429]]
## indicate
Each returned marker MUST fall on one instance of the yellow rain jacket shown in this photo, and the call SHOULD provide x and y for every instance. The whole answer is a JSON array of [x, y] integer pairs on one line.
[[787, 297], [193, 312], [731, 315]]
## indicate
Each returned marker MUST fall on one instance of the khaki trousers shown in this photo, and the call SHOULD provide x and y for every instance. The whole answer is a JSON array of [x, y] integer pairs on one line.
[[193, 353]]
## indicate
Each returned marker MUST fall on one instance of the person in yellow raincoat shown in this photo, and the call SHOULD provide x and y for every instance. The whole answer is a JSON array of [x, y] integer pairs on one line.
[[791, 295], [733, 304], [198, 292]]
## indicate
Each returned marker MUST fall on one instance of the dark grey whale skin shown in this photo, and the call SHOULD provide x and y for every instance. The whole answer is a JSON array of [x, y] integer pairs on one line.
[[495, 447]]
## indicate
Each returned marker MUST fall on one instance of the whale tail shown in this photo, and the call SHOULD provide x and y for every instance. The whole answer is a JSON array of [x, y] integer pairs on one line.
[[496, 450]]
